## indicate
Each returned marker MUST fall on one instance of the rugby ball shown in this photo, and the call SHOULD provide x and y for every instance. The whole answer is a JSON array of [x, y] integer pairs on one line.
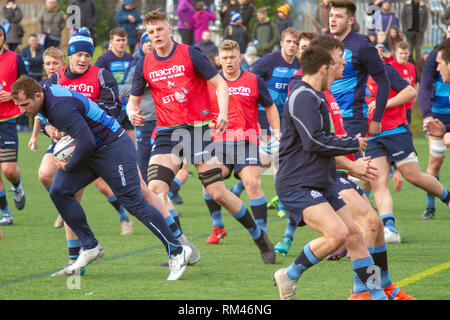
[[64, 148]]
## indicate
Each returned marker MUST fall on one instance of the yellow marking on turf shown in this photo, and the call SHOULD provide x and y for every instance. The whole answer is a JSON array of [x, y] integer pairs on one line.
[[424, 274]]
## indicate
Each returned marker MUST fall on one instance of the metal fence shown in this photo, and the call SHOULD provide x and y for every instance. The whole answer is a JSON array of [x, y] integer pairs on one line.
[[304, 13]]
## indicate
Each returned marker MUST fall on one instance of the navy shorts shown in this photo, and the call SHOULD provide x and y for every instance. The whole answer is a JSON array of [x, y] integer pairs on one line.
[[195, 144], [344, 183], [353, 126], [124, 121], [297, 200], [445, 118], [9, 141], [237, 155], [395, 147], [51, 147]]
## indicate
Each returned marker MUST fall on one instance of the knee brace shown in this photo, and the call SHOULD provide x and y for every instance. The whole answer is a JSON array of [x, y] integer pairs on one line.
[[210, 176], [437, 148], [159, 172]]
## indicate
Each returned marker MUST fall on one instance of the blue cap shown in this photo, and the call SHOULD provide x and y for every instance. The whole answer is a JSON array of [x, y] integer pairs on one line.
[[235, 16], [144, 38], [81, 42]]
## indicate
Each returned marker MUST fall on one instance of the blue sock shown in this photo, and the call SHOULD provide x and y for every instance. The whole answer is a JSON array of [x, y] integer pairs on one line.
[[259, 209], [238, 188], [389, 221], [74, 247], [120, 210], [379, 255], [3, 202], [175, 186], [215, 210], [290, 229], [445, 197], [173, 226], [366, 278], [245, 218], [174, 214], [431, 198], [305, 260]]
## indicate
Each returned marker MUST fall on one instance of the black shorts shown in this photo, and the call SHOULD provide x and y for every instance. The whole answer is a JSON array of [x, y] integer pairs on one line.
[[395, 147], [344, 183], [237, 155], [195, 144], [296, 201], [9, 142]]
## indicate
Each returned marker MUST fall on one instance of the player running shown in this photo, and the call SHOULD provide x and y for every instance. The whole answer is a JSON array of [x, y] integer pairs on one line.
[[177, 76], [237, 148], [103, 149]]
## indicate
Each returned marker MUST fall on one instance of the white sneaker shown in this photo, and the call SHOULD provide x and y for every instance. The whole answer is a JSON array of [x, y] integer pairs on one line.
[[195, 255], [286, 286], [59, 222], [178, 264], [126, 227], [391, 237], [85, 257], [6, 219], [19, 197]]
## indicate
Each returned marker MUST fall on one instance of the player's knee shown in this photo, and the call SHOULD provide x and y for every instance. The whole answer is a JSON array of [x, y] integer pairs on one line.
[[252, 186], [354, 235], [338, 237], [45, 179], [10, 172], [437, 148], [56, 193]]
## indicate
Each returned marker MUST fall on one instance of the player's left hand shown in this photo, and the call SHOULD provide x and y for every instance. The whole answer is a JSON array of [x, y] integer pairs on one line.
[[60, 164], [434, 128], [136, 118], [5, 96], [374, 128]]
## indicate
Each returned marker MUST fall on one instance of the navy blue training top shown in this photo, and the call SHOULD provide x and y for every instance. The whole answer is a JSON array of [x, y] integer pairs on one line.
[[433, 95], [362, 60], [82, 119], [307, 146], [114, 64], [276, 72]]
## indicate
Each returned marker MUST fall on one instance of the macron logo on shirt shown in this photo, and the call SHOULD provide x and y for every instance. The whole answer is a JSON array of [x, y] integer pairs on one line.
[[81, 88], [168, 73], [242, 91]]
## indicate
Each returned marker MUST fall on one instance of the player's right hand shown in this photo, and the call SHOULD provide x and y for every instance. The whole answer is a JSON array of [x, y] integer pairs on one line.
[[362, 143], [221, 124]]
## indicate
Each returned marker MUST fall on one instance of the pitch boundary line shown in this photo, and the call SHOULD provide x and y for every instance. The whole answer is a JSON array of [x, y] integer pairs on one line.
[[424, 274]]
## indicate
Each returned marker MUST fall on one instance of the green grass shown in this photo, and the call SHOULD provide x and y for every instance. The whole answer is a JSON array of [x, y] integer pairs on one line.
[[31, 249]]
